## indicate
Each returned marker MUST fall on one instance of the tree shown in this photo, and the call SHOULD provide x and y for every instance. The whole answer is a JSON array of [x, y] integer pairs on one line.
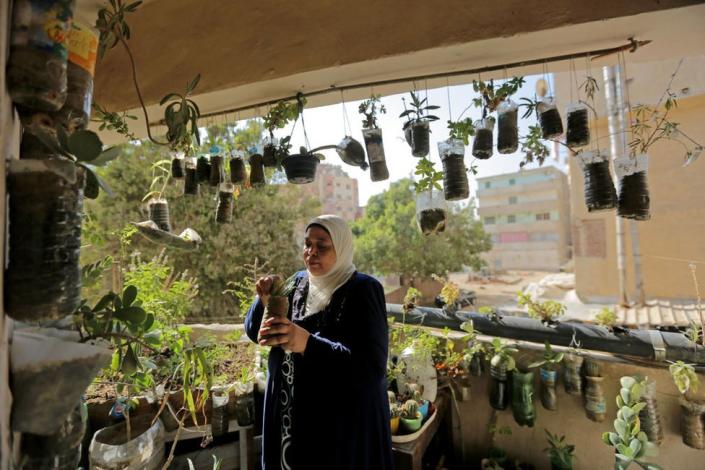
[[266, 223], [388, 241]]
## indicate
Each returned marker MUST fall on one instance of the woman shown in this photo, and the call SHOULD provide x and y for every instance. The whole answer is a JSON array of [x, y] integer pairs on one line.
[[326, 400]]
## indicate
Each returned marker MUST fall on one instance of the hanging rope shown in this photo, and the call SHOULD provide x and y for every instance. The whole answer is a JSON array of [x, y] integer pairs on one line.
[[347, 129], [450, 112]]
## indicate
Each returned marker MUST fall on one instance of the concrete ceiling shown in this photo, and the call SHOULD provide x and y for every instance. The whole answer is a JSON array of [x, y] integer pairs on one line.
[[260, 51]]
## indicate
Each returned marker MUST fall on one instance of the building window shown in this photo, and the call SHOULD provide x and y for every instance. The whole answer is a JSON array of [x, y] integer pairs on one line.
[[511, 219], [512, 182], [512, 199], [543, 216], [487, 185], [489, 220]]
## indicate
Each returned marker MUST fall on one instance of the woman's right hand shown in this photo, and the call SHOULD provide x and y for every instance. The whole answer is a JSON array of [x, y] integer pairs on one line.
[[264, 288]]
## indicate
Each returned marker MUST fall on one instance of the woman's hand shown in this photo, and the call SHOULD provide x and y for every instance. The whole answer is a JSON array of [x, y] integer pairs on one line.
[[264, 288], [282, 332]]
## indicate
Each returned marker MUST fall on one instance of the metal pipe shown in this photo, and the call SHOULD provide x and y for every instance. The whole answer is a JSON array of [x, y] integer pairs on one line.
[[650, 344]]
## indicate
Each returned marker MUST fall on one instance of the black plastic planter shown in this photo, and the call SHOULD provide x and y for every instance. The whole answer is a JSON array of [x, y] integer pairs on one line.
[[649, 416], [507, 128], [634, 201], [572, 379], [418, 136], [256, 170], [217, 173], [238, 172], [482, 145], [577, 126], [549, 398], [190, 179], [351, 152], [43, 277], [203, 169], [455, 175], [523, 408], [476, 365], [300, 168], [499, 392], [224, 211], [245, 408], [159, 214], [375, 154], [269, 155], [599, 188], [177, 168], [549, 119]]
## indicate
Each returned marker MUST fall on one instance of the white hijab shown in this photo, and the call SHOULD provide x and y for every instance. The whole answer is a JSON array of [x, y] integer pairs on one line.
[[321, 288]]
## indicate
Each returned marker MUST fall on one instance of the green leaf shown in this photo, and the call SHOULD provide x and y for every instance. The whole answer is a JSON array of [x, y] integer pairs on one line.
[[129, 295], [193, 84], [85, 145], [626, 412], [168, 97], [149, 321], [107, 155], [101, 183], [134, 315], [621, 428], [92, 187], [635, 446]]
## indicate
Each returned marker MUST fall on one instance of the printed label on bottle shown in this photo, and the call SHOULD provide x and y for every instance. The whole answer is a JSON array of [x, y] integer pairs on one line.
[[83, 47], [43, 24]]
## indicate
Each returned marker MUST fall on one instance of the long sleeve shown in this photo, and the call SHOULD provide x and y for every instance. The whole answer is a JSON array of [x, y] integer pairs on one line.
[[253, 319]]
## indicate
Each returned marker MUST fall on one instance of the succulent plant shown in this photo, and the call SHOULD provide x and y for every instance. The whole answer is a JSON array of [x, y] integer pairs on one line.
[[410, 410]]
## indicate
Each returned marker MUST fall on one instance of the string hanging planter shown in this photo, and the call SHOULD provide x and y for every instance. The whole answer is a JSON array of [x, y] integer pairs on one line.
[[649, 416], [278, 117], [256, 169], [431, 215], [203, 169], [177, 166], [190, 177], [572, 378], [523, 408], [507, 127], [634, 201], [455, 175], [224, 210], [351, 152], [416, 128], [549, 118], [269, 151], [577, 126], [217, 169], [595, 405], [238, 171], [301, 168], [599, 188], [159, 213], [372, 135], [482, 145]]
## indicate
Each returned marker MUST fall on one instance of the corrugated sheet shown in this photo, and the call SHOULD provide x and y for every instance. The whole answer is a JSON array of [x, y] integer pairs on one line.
[[659, 313]]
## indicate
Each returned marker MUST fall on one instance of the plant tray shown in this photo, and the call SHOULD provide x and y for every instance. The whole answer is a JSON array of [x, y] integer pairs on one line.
[[404, 438]]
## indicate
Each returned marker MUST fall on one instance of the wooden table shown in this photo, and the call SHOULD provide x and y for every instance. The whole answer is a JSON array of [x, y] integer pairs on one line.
[[409, 455]]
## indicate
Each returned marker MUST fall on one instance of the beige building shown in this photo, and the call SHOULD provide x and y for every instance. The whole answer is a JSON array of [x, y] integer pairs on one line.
[[528, 215], [675, 234], [337, 192]]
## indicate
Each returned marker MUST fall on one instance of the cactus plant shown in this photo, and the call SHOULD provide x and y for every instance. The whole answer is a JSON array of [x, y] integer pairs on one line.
[[410, 409]]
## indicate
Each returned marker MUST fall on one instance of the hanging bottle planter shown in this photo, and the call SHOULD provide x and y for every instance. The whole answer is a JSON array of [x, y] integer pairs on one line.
[[203, 169], [548, 388], [83, 49], [375, 154], [177, 166], [217, 173], [595, 405], [36, 69], [190, 177], [418, 136], [219, 418], [351, 152], [599, 187], [577, 126], [238, 172], [523, 408], [572, 379], [476, 365], [256, 170], [634, 199], [224, 211], [549, 118], [482, 145], [111, 449], [269, 151], [300, 168], [693, 423], [455, 175], [649, 416], [507, 127], [499, 394], [60, 450], [159, 214], [45, 203], [431, 213]]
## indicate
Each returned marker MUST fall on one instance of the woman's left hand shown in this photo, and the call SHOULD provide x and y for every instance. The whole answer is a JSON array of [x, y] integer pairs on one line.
[[282, 332]]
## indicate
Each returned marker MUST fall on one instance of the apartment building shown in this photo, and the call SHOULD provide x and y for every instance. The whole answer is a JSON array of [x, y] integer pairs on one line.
[[527, 214], [337, 192]]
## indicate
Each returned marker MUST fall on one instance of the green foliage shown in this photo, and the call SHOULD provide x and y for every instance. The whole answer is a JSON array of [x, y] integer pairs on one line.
[[395, 410], [500, 353], [559, 451], [388, 241], [590, 87], [630, 443], [547, 311], [369, 108], [412, 296], [491, 312], [491, 96], [111, 24], [684, 376], [462, 129], [401, 337], [533, 147], [114, 121], [410, 409], [429, 178], [694, 333], [181, 118], [281, 114], [418, 112], [550, 359], [606, 318]]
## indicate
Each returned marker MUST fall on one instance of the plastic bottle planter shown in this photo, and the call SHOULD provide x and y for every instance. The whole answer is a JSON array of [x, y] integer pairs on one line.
[[277, 306], [351, 152], [577, 126], [375, 154], [269, 152], [507, 127], [633, 187], [649, 415], [523, 398], [572, 380], [463, 387], [219, 414], [245, 408], [549, 119], [83, 49], [300, 168], [476, 365], [203, 169], [60, 450], [224, 211], [217, 173], [177, 167], [238, 172], [36, 69], [499, 396], [110, 449], [692, 423], [599, 188], [418, 137], [594, 399], [159, 214], [548, 389], [431, 212], [482, 145], [190, 178], [256, 170], [455, 175], [43, 277], [592, 368]]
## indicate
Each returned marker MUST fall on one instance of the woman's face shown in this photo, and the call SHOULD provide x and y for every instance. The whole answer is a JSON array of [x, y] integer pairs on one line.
[[319, 253]]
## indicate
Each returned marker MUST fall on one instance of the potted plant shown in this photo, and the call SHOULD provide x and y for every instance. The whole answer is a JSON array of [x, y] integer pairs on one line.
[[599, 187], [219, 418], [507, 127], [351, 152], [416, 128], [497, 98], [244, 398], [301, 168], [448, 297], [411, 299], [594, 397], [559, 452], [692, 410], [548, 373], [157, 204], [649, 415], [372, 134], [395, 412], [484, 137], [547, 114], [523, 408], [501, 363], [256, 169], [62, 448], [278, 117], [431, 214], [572, 365], [217, 170], [547, 311], [606, 318], [224, 209], [411, 418], [452, 153], [474, 349], [278, 303], [238, 171], [134, 443], [630, 443], [577, 125]]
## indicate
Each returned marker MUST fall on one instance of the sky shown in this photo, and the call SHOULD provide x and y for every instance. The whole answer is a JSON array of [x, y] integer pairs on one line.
[[326, 125]]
